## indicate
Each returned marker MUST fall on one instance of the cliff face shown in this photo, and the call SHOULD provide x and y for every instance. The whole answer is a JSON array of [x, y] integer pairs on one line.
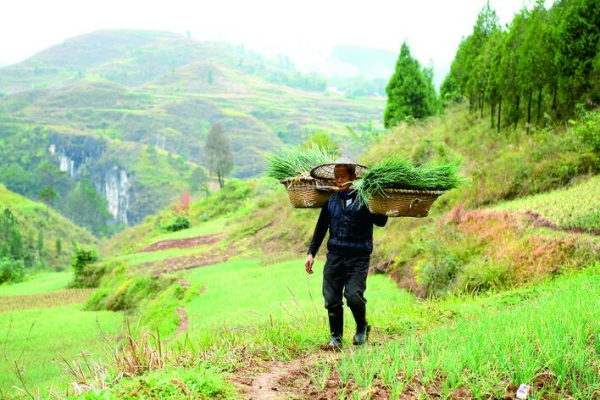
[[85, 157]]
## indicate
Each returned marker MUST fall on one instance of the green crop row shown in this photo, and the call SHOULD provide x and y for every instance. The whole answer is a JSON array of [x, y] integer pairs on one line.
[[571, 208]]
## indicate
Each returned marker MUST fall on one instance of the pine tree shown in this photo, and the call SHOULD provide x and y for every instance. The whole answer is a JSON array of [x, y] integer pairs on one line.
[[11, 240], [577, 37], [408, 91], [218, 154], [48, 196]]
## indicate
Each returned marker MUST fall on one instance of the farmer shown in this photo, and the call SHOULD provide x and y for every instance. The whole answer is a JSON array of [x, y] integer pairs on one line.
[[350, 244]]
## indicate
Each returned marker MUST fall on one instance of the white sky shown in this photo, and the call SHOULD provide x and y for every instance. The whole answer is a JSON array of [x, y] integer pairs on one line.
[[432, 28]]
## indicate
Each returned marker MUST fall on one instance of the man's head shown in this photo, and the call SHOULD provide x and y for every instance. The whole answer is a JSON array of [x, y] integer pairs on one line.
[[343, 175]]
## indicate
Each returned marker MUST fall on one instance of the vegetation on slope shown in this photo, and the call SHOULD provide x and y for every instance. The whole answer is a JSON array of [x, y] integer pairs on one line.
[[48, 238]]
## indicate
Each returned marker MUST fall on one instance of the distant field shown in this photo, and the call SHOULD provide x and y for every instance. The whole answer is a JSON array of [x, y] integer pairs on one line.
[[577, 207]]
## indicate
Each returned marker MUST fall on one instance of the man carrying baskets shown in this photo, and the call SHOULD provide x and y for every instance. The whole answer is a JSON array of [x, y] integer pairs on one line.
[[350, 244]]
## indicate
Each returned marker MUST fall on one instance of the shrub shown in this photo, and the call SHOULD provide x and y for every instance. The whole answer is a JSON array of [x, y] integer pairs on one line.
[[83, 257], [179, 224], [89, 276], [482, 275], [589, 129], [120, 291], [11, 270]]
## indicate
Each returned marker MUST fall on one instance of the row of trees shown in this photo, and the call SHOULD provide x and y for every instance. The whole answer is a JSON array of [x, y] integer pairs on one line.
[[18, 252], [545, 61]]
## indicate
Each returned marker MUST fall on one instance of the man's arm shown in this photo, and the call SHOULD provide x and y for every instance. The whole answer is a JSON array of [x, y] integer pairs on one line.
[[318, 236]]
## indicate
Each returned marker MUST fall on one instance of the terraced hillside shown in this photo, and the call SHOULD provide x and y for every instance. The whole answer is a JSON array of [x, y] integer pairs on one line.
[[99, 104]]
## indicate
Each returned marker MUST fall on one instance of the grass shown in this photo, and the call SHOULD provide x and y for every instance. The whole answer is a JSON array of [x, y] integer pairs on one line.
[[38, 283], [39, 321], [200, 382], [292, 163], [292, 296], [575, 207], [44, 300], [400, 173], [548, 341], [35, 338], [543, 335]]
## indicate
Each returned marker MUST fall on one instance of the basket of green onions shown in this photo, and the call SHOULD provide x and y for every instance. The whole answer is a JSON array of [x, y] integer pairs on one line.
[[292, 168], [396, 188]]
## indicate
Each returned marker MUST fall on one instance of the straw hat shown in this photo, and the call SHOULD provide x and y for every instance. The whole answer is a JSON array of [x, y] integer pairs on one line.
[[325, 171]]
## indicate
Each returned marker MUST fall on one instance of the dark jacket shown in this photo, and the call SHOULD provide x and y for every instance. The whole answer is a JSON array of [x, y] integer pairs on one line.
[[350, 228]]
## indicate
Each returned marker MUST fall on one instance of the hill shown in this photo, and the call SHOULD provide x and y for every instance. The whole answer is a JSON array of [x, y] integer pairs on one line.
[[123, 93]]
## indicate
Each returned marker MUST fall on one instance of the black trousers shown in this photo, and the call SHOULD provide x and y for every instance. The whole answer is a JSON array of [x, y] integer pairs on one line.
[[345, 276]]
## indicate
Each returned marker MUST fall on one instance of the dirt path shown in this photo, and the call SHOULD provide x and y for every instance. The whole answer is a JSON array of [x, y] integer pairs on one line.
[[278, 379]]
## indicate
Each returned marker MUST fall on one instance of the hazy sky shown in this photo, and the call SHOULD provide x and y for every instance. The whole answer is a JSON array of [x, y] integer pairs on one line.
[[432, 28]]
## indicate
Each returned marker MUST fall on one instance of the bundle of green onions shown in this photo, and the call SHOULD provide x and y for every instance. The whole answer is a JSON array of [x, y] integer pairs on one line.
[[400, 173], [292, 163]]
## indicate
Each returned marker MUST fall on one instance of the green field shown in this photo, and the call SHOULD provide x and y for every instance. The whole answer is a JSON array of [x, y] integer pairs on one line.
[[39, 323], [543, 335], [38, 283], [575, 207]]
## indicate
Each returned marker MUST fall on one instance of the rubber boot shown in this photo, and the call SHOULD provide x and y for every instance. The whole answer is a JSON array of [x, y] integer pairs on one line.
[[336, 326], [362, 327]]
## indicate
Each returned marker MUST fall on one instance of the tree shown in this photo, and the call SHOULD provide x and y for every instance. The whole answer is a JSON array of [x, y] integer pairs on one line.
[[87, 207], [218, 154], [48, 196], [40, 244], [11, 240], [408, 91], [197, 179], [534, 62], [577, 34]]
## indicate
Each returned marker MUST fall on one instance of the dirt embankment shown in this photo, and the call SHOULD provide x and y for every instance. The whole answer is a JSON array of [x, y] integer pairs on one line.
[[181, 243], [208, 254]]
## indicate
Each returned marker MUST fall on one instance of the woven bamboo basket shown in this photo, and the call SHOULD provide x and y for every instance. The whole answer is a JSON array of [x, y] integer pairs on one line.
[[308, 192], [404, 202]]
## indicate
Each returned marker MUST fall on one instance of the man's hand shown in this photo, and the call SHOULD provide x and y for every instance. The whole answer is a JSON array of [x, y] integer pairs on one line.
[[309, 263]]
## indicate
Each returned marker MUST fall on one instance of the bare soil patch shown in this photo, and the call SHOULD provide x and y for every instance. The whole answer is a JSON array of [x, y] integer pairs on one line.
[[181, 243]]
